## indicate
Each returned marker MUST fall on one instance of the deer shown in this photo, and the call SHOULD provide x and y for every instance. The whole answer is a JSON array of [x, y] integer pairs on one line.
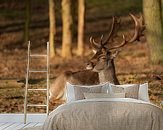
[[100, 68]]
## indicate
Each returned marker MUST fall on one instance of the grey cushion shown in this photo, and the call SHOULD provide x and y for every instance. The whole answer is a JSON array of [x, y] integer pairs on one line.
[[131, 91], [76, 92]]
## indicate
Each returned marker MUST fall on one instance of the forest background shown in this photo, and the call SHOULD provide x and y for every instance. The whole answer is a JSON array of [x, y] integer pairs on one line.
[[21, 21]]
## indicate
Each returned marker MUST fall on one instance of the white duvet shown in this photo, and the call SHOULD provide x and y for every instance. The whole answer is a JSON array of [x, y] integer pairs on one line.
[[105, 114]]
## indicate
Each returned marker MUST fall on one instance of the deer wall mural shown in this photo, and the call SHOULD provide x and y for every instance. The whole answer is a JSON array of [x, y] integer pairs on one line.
[[100, 67]]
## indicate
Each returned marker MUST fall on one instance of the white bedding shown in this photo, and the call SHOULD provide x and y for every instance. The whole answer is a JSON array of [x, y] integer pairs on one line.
[[104, 114]]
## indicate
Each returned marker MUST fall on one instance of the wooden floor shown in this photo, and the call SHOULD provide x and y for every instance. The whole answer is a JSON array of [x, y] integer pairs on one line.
[[18, 126], [15, 121]]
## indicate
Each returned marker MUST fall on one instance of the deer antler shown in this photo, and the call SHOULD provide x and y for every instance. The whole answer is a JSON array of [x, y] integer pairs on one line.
[[111, 31], [93, 43], [124, 42], [101, 44], [114, 28], [139, 28], [101, 39]]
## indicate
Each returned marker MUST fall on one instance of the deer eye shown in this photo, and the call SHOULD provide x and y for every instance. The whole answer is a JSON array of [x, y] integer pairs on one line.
[[102, 58]]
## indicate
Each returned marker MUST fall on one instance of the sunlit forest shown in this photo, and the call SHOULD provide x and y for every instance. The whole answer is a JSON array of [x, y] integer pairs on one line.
[[71, 27]]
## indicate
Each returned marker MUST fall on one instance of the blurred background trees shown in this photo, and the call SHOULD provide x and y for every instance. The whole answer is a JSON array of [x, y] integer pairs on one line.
[[154, 29], [81, 17], [153, 21], [27, 21], [41, 21], [67, 29], [71, 16], [52, 28]]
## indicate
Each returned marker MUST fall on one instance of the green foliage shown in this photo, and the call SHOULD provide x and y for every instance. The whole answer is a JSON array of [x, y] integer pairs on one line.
[[11, 14], [114, 7], [96, 7]]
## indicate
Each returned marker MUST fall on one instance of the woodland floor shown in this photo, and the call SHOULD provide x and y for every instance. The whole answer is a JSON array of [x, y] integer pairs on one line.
[[132, 64]]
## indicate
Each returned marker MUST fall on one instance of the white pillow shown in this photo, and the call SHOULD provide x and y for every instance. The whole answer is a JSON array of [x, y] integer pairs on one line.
[[106, 88], [143, 92], [70, 94], [76, 92], [103, 95], [130, 90]]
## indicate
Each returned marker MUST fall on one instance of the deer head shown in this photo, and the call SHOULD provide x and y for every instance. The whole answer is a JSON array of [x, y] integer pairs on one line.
[[103, 58]]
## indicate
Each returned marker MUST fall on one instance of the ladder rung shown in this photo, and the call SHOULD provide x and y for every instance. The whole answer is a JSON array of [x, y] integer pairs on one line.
[[35, 89], [35, 105], [38, 55], [36, 71]]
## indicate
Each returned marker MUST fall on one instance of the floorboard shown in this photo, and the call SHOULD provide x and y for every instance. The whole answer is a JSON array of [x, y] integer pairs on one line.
[[21, 126], [6, 125], [20, 118], [15, 121], [12, 127]]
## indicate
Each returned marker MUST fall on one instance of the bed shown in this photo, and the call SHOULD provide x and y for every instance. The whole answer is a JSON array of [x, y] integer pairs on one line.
[[106, 113]]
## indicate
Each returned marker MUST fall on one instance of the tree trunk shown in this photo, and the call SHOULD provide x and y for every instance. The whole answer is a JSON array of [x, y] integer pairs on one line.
[[27, 21], [81, 12], [74, 13], [154, 30], [67, 29], [52, 27]]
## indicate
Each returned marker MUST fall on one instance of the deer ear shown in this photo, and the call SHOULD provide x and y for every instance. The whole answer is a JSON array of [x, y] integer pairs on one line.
[[114, 54], [94, 51]]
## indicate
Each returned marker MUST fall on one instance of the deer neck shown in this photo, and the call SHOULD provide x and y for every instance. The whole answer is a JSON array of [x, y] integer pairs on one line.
[[108, 74]]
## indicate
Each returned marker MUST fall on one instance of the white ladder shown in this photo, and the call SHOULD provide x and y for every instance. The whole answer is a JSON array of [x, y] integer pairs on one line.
[[37, 89]]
